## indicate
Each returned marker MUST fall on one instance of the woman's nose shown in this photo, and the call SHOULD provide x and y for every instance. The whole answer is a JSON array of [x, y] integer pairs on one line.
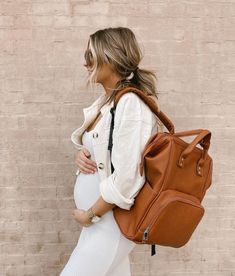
[[87, 67]]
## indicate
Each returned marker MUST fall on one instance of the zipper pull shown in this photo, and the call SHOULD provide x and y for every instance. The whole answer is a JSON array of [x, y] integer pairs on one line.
[[146, 233]]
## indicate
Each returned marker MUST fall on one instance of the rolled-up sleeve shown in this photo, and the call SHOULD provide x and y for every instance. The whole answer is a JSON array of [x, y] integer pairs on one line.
[[132, 129]]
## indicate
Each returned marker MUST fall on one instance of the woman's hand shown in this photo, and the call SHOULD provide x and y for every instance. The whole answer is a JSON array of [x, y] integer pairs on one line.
[[81, 217], [85, 165]]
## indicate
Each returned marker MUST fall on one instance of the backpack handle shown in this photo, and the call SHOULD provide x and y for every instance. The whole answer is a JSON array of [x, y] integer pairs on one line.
[[150, 102], [203, 138], [204, 141]]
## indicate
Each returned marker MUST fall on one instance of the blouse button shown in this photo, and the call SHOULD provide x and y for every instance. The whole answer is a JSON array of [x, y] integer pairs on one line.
[[95, 135], [101, 166]]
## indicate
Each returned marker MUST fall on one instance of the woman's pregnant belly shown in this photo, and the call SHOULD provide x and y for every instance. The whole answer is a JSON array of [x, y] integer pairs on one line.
[[86, 190]]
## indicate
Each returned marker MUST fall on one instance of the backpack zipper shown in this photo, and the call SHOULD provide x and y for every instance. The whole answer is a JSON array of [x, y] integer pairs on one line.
[[146, 234]]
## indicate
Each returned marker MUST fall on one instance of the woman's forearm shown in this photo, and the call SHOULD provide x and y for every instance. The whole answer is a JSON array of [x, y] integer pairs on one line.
[[101, 207]]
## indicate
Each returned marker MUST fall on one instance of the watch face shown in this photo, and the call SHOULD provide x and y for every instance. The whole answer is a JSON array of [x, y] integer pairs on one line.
[[95, 219]]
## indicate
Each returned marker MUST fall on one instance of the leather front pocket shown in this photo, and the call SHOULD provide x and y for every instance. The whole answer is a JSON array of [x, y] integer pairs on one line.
[[172, 219]]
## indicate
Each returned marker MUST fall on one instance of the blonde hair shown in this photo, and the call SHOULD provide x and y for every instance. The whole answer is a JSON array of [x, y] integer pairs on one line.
[[119, 48]]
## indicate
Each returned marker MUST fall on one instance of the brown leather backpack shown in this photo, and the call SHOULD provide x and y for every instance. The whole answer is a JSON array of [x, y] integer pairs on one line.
[[168, 207]]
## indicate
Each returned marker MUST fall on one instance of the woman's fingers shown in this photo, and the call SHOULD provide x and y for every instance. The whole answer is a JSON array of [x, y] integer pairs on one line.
[[89, 162], [85, 165]]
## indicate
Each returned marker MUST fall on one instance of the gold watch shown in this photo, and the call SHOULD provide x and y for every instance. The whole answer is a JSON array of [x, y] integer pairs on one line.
[[92, 216]]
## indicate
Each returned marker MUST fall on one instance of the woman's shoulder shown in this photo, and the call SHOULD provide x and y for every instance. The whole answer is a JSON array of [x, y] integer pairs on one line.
[[129, 96], [131, 106], [132, 98]]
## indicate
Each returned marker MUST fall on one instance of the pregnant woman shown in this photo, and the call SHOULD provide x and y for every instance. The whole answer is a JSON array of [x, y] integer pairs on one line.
[[112, 58]]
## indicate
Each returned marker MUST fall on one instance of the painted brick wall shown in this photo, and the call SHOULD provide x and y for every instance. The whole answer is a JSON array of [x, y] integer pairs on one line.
[[190, 45]]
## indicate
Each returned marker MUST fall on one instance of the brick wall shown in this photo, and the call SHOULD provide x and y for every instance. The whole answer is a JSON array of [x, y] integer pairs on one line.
[[190, 45]]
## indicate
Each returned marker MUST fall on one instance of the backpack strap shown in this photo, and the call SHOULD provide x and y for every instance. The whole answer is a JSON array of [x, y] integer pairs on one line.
[[153, 249], [110, 144], [152, 105]]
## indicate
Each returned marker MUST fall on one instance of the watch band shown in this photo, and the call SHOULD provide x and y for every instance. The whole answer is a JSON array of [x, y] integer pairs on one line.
[[91, 214]]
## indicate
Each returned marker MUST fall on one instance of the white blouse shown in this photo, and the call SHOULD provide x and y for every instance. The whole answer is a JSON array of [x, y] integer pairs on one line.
[[134, 124]]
